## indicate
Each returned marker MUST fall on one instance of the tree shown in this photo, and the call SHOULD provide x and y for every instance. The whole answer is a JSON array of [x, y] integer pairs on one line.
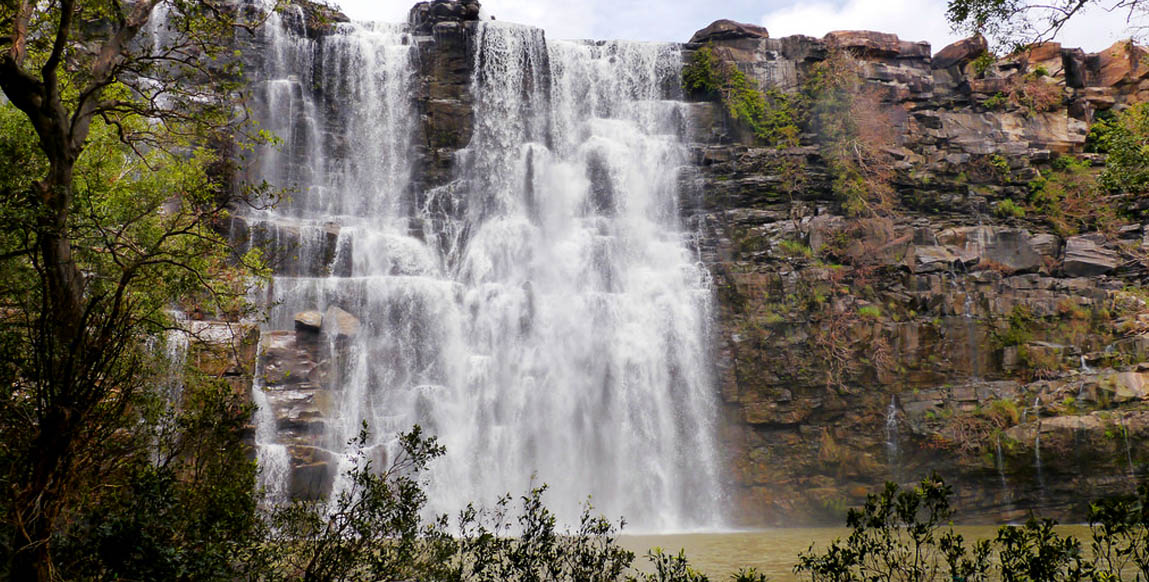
[[116, 116], [1018, 23]]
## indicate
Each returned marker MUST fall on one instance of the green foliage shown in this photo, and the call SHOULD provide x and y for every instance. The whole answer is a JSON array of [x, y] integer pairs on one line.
[[772, 116], [870, 312], [1097, 140], [996, 102], [670, 568], [795, 249], [1003, 410], [1125, 138], [186, 511], [1070, 199], [370, 530], [748, 575], [1119, 532], [983, 62], [853, 130], [118, 174], [1019, 24], [1008, 209], [999, 164], [1035, 552], [1018, 330], [894, 536], [898, 536]]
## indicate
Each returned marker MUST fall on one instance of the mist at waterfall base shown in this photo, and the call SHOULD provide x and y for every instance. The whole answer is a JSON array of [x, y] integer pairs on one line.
[[543, 314]]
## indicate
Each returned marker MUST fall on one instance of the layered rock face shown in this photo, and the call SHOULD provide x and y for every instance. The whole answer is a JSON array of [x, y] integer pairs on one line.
[[944, 334]]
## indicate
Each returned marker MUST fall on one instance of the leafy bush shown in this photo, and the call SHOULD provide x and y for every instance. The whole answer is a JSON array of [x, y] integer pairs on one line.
[[1008, 208], [855, 130], [1019, 328], [897, 536], [894, 536], [1036, 552], [983, 62], [1125, 138], [997, 101], [772, 116], [1119, 531], [1071, 200]]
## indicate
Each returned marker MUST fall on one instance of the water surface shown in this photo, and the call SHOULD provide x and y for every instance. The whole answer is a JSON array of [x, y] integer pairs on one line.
[[773, 551]]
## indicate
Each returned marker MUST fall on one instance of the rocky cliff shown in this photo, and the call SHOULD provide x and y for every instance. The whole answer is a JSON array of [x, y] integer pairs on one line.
[[1001, 348], [950, 331]]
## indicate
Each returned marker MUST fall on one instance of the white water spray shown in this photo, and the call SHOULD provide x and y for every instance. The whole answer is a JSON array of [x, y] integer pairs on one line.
[[556, 325]]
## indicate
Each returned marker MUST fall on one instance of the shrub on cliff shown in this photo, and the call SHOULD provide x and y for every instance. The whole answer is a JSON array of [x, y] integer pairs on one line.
[[854, 131], [1125, 138], [772, 116]]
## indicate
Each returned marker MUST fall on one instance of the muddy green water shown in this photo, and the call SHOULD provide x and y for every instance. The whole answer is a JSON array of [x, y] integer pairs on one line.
[[773, 552]]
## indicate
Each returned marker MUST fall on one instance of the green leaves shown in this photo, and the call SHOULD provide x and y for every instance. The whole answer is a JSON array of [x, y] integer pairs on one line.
[[773, 116]]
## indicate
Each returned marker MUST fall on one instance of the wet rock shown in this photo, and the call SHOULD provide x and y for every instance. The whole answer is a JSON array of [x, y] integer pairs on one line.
[[285, 360], [312, 472], [424, 16], [340, 323], [308, 321], [961, 52], [1086, 257], [728, 30]]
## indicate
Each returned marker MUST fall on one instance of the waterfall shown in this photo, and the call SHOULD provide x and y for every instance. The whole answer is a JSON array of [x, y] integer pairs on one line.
[[553, 324], [585, 314], [1000, 463], [892, 434], [1037, 461], [1128, 449]]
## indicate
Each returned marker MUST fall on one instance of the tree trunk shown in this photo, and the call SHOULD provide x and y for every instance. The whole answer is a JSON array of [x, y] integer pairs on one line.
[[43, 492]]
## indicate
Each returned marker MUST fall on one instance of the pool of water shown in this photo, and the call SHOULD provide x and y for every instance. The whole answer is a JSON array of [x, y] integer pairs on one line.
[[773, 552]]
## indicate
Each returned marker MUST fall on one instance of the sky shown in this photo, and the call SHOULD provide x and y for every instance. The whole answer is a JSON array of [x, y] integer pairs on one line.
[[676, 20]]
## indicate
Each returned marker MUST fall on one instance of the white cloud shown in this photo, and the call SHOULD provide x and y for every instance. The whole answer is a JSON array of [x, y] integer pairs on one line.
[[921, 20]]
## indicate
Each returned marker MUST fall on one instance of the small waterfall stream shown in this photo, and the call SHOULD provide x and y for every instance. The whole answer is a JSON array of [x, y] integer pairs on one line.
[[892, 436], [999, 462], [554, 325]]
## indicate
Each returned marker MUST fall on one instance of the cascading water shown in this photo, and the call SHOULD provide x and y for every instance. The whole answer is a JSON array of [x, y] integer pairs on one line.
[[555, 326], [999, 462], [892, 434]]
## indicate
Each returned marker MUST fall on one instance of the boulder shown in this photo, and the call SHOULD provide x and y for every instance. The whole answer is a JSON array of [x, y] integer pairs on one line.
[[308, 321], [1117, 64], [1129, 386], [1046, 245], [994, 246], [868, 43], [425, 15], [931, 259], [339, 323], [285, 360], [961, 52], [720, 30], [1085, 257]]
